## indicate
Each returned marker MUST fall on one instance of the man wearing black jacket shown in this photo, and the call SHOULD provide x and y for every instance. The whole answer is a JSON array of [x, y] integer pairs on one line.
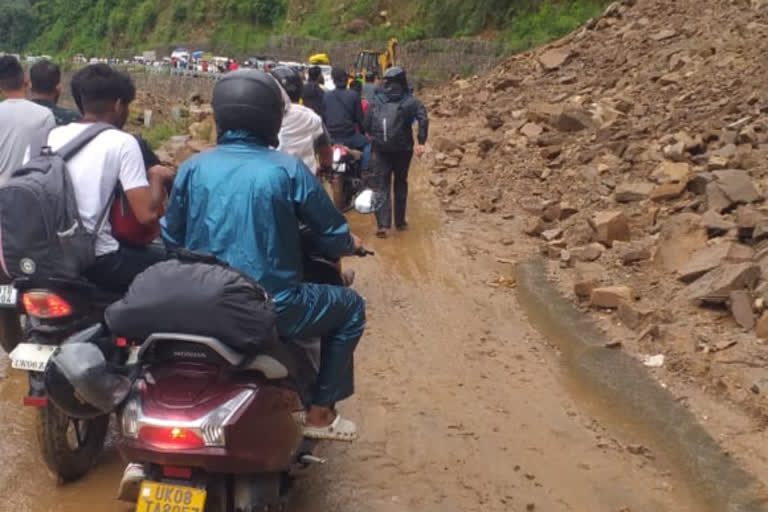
[[313, 95], [344, 116], [392, 152]]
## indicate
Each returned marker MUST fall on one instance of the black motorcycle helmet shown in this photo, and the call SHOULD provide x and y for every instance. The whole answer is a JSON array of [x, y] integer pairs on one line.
[[396, 75], [291, 81], [80, 381], [251, 101]]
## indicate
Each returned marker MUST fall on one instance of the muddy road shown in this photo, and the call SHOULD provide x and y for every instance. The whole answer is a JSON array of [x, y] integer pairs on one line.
[[462, 406]]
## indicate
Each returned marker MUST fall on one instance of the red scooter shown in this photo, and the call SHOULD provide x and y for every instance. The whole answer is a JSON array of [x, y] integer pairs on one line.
[[209, 429]]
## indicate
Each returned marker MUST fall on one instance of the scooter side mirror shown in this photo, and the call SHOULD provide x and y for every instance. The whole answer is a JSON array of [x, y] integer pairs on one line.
[[367, 202]]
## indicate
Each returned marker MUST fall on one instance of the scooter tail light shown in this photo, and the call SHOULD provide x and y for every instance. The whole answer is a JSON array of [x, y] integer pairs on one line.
[[177, 472], [45, 304], [172, 438], [213, 426]]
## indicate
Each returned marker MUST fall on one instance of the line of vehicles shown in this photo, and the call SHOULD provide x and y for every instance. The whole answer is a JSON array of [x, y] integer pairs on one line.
[[206, 427]]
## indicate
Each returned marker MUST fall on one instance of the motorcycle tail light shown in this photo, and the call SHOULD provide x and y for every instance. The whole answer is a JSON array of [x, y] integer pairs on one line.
[[171, 438], [130, 418], [45, 304], [213, 424], [35, 401]]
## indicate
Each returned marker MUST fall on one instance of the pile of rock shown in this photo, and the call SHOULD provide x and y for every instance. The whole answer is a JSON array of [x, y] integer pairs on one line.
[[638, 146], [201, 133]]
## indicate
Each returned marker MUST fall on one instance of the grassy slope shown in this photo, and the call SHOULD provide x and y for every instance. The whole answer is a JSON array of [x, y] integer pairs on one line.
[[91, 26]]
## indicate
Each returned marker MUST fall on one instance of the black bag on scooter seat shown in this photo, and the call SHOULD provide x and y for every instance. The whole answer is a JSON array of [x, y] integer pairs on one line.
[[193, 297]]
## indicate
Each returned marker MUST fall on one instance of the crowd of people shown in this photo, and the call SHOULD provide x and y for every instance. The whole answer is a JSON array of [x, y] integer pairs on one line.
[[377, 120], [242, 202]]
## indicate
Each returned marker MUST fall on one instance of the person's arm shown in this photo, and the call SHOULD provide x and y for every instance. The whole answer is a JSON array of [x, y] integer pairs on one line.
[[144, 190], [174, 222], [368, 121], [316, 210], [423, 119], [323, 146], [359, 120]]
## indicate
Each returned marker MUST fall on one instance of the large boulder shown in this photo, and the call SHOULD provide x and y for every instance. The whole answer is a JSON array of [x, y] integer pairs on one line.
[[631, 192], [680, 237], [554, 59], [712, 257], [610, 297], [609, 226], [730, 188], [717, 285]]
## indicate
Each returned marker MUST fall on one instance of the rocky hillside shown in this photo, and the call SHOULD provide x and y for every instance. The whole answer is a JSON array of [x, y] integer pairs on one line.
[[633, 153], [242, 26]]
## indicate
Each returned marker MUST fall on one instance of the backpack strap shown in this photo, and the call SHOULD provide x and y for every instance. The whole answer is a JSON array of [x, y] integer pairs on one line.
[[74, 146]]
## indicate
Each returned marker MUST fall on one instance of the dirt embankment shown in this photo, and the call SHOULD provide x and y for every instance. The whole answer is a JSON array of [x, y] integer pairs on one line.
[[632, 154]]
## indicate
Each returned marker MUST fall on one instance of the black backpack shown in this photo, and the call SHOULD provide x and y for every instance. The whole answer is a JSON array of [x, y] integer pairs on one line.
[[390, 126], [41, 232]]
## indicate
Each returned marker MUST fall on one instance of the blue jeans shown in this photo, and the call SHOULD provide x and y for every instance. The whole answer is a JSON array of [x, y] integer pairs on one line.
[[337, 316], [360, 143]]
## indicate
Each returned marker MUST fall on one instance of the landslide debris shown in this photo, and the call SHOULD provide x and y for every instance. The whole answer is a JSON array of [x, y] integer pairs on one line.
[[651, 123]]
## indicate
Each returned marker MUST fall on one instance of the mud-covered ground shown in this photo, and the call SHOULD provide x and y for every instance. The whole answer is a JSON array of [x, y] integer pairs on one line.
[[462, 406]]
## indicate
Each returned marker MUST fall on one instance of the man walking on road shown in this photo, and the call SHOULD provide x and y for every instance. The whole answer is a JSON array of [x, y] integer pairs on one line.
[[389, 124], [21, 121], [46, 90]]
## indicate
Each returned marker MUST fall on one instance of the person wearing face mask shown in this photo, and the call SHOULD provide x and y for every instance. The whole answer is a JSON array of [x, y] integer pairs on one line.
[[389, 124]]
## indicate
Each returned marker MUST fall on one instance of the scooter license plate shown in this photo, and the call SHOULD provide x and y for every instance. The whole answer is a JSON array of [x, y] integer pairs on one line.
[[160, 497], [31, 357], [8, 296]]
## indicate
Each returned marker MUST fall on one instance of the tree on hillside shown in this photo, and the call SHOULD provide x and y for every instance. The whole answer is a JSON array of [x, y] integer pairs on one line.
[[18, 26]]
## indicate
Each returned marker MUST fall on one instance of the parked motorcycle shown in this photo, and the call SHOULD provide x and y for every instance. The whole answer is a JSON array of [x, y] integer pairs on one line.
[[345, 177], [57, 310]]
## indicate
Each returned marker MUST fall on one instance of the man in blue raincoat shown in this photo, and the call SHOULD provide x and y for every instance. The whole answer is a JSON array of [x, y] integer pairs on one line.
[[243, 203]]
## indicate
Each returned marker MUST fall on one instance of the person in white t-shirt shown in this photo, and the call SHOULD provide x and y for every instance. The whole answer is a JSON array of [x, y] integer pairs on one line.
[[302, 133], [104, 95]]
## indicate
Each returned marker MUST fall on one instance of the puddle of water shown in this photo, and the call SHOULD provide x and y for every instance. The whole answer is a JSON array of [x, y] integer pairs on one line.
[[619, 390]]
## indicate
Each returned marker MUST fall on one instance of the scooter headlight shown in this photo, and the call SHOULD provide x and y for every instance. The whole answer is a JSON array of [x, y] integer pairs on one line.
[[213, 424], [130, 418]]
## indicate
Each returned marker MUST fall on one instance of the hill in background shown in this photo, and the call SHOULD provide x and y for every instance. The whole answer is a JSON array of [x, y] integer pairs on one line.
[[242, 26]]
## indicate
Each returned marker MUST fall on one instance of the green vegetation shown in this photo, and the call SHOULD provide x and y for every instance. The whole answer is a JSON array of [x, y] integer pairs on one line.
[[159, 133], [122, 27]]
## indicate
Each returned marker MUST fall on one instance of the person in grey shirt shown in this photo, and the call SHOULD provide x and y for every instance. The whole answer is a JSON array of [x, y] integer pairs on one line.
[[21, 121]]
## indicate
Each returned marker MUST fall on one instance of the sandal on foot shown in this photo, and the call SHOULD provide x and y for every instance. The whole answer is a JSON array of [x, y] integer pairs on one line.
[[382, 233], [340, 430]]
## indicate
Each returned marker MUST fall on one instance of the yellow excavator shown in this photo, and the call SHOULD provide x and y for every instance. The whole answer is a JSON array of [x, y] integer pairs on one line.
[[376, 61]]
